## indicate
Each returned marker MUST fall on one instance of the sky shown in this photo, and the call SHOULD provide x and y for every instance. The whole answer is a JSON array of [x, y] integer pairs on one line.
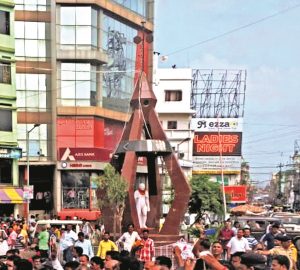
[[267, 46]]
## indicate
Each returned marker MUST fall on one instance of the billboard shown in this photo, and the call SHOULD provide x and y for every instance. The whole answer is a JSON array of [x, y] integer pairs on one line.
[[214, 143], [212, 165], [236, 194], [217, 145], [217, 124]]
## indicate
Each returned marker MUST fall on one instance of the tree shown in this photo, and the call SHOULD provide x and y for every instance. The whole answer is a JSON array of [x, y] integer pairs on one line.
[[206, 196], [113, 189]]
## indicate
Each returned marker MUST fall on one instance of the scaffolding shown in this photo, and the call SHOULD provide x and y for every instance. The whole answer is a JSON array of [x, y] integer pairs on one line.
[[218, 93]]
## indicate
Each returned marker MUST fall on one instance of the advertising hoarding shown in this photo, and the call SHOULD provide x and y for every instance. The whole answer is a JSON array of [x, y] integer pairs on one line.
[[217, 124], [214, 143], [236, 194], [212, 165]]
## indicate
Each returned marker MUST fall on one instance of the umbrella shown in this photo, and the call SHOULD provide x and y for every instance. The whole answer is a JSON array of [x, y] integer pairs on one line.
[[246, 208]]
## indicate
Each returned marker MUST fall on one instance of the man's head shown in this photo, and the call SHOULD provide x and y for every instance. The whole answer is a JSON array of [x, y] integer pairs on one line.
[[130, 227], [69, 227], [236, 259], [145, 234], [286, 241], [81, 236], [240, 233], [227, 224], [84, 260], [11, 262], [164, 261], [106, 236], [217, 249], [77, 252], [275, 228], [247, 232], [36, 261], [73, 265], [236, 224], [204, 244], [96, 263], [280, 262]]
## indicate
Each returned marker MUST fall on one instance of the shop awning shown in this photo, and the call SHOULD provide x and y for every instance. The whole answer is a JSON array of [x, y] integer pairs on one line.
[[11, 195]]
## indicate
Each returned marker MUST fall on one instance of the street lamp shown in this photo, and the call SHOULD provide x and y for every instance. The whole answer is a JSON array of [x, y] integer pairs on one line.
[[182, 141], [27, 164]]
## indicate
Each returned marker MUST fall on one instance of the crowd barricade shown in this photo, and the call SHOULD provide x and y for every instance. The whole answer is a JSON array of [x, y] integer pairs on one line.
[[166, 250]]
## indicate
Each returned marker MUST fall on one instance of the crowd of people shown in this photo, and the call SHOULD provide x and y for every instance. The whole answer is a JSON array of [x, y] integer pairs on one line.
[[53, 247]]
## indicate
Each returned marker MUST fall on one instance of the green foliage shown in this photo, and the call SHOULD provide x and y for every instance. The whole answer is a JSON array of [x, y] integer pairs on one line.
[[206, 196], [114, 187]]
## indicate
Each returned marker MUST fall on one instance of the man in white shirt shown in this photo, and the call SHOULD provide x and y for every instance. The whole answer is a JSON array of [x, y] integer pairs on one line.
[[67, 240], [238, 243], [85, 244], [128, 238]]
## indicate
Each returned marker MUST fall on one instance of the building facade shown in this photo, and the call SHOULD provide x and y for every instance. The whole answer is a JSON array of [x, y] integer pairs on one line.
[[11, 195], [76, 69]]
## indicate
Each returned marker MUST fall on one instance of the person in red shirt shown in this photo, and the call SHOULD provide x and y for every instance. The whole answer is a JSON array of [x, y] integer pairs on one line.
[[146, 253], [225, 234]]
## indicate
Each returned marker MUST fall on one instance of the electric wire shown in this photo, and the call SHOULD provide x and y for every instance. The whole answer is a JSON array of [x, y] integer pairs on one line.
[[236, 29]]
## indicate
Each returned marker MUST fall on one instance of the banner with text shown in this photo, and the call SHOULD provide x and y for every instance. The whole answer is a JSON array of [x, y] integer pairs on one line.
[[215, 143], [217, 124], [236, 194], [212, 165]]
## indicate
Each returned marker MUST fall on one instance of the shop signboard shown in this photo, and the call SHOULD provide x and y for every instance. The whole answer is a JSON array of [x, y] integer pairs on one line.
[[217, 124], [236, 194], [28, 193], [14, 153], [84, 154]]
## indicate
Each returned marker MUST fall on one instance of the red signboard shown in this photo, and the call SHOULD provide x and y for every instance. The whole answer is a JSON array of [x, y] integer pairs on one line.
[[215, 143], [80, 132], [76, 154], [237, 194]]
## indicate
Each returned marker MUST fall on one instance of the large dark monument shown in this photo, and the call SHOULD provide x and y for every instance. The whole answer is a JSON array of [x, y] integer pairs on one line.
[[144, 137]]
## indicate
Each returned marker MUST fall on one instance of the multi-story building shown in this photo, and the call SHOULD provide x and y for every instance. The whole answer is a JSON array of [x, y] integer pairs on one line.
[[76, 69], [11, 196], [173, 93], [172, 88]]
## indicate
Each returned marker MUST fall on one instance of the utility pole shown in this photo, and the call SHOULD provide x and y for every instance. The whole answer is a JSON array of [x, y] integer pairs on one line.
[[279, 182]]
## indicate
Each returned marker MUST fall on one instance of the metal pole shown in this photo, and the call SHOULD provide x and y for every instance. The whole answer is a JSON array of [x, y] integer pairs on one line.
[[27, 171], [27, 165]]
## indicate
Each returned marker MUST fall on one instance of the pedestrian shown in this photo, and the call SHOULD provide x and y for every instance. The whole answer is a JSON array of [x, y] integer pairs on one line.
[[85, 244], [127, 240], [238, 243], [44, 242], [225, 234], [67, 241], [106, 245], [251, 240], [146, 251], [280, 262]]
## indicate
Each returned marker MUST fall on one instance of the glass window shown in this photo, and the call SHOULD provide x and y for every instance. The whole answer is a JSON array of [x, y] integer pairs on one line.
[[6, 120], [5, 73], [76, 25], [67, 34], [78, 84], [83, 35], [75, 189], [32, 91], [4, 23], [37, 139], [83, 16], [173, 95], [67, 15], [5, 171], [172, 125]]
